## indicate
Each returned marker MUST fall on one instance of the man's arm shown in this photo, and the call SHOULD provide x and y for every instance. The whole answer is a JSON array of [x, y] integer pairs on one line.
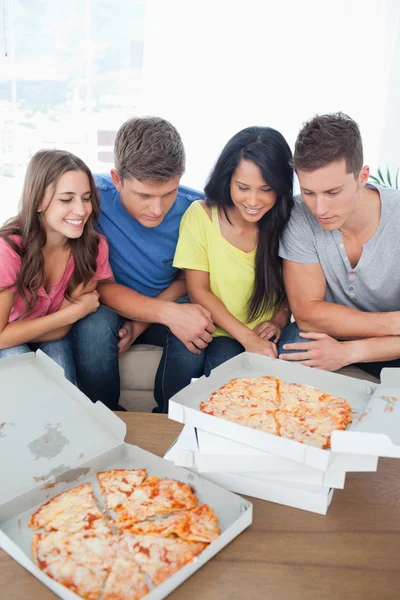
[[305, 287], [191, 323]]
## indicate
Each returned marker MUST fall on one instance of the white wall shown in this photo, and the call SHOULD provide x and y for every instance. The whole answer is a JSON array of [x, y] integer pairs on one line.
[[213, 67]]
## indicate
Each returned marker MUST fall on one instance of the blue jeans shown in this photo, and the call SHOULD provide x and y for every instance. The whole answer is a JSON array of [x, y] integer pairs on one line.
[[95, 340], [290, 335], [185, 365], [60, 351]]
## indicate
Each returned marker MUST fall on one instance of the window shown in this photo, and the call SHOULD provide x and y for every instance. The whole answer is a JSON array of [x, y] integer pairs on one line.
[[70, 74]]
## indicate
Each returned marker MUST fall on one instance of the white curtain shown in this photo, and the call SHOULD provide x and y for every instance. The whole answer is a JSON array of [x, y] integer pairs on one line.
[[213, 67]]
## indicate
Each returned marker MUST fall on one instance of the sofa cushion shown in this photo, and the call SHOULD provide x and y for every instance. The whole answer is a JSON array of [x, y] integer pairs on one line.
[[138, 367]]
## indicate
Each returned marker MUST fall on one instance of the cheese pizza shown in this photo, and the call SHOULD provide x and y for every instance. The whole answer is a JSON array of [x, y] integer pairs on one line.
[[85, 550], [292, 410]]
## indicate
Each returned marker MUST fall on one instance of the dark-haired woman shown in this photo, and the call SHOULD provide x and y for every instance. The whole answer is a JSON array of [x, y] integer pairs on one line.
[[51, 258], [228, 248]]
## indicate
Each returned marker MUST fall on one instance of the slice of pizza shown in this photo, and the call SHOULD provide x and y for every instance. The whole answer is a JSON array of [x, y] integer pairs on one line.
[[117, 485], [155, 496], [125, 581], [71, 511], [312, 428], [247, 392], [160, 557], [79, 561], [294, 394], [199, 525], [262, 420]]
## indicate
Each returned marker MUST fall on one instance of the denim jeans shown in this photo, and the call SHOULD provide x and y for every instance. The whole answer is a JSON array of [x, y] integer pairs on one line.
[[96, 356], [185, 365], [95, 340], [290, 335], [60, 351]]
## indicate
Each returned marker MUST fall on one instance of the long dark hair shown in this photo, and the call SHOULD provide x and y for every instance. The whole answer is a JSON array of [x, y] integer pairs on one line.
[[268, 149], [45, 169]]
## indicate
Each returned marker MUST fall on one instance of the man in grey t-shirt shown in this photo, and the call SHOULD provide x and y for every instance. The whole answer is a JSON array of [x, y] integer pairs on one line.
[[341, 254]]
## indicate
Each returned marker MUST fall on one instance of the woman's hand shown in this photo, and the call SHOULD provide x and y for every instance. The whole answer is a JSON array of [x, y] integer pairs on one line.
[[257, 344], [84, 305], [268, 330]]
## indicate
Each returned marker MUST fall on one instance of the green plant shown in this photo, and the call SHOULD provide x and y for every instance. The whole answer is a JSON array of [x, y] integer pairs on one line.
[[387, 179]]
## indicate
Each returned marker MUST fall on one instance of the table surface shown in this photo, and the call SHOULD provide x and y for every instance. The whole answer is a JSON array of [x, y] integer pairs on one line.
[[352, 552]]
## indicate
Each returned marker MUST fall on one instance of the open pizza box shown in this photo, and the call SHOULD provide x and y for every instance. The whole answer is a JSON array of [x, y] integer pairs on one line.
[[313, 498], [375, 430], [53, 438]]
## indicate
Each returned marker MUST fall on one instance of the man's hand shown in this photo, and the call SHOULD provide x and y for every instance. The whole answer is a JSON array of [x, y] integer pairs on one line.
[[128, 334], [268, 330], [192, 324], [324, 352]]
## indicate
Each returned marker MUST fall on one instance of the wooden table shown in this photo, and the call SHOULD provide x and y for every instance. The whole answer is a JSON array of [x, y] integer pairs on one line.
[[353, 552]]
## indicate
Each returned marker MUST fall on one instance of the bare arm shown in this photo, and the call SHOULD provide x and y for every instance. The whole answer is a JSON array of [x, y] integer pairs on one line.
[[198, 283], [305, 286], [374, 349], [61, 332], [22, 332], [191, 323]]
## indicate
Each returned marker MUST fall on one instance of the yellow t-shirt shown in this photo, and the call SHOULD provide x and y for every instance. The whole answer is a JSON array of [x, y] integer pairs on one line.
[[202, 247]]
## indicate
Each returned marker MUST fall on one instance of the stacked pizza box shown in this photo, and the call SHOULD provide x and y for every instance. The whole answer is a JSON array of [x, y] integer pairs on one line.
[[63, 468], [266, 466]]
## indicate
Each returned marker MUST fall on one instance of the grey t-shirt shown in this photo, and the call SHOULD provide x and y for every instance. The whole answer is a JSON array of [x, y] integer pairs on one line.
[[374, 284]]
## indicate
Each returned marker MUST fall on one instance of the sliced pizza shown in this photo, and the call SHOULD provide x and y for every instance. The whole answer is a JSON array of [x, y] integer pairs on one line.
[[312, 428], [79, 561], [155, 496], [125, 581], [160, 557], [71, 511], [117, 485], [199, 525]]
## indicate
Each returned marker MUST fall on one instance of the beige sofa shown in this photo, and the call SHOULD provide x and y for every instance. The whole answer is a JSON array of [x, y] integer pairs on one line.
[[138, 369]]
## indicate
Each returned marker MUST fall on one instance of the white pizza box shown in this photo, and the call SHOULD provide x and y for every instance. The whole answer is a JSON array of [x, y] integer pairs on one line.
[[313, 498], [216, 453], [53, 438], [375, 430], [187, 453]]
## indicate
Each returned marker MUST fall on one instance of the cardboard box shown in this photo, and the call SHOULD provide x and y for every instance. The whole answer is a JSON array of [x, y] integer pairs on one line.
[[375, 430], [312, 498], [270, 467], [57, 440]]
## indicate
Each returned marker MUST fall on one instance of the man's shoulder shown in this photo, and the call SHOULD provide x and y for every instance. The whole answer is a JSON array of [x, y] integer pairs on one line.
[[300, 212], [186, 196], [103, 182], [390, 196]]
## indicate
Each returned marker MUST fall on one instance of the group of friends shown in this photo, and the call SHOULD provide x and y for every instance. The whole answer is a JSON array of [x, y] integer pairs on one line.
[[94, 264]]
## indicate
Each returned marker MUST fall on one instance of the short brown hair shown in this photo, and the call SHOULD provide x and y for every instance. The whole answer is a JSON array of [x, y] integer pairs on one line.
[[327, 138], [149, 148]]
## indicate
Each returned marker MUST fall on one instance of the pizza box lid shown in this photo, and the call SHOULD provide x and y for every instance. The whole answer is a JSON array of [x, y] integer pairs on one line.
[[375, 430], [47, 426], [57, 439]]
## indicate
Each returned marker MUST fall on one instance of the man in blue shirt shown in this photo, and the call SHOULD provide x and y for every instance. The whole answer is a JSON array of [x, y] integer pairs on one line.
[[141, 206]]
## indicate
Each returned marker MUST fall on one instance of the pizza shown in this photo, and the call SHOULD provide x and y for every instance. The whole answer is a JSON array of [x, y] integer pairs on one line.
[[126, 580], [296, 411], [160, 557], [71, 511], [197, 525], [81, 561], [118, 485], [151, 527], [154, 496]]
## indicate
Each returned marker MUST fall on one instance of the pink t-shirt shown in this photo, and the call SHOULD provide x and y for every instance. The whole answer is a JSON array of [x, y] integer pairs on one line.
[[10, 266]]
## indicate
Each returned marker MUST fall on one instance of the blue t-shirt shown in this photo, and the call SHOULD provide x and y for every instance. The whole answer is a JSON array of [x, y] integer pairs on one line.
[[141, 257]]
